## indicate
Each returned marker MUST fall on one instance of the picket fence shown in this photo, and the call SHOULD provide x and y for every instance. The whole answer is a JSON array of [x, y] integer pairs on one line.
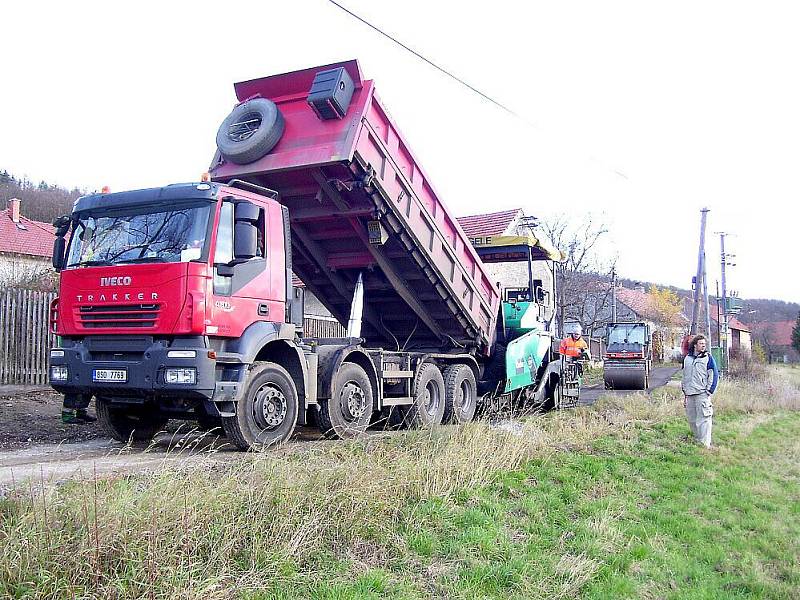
[[25, 339]]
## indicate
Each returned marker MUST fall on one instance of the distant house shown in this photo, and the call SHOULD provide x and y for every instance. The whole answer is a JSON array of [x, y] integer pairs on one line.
[[26, 246], [638, 305], [739, 332], [776, 338]]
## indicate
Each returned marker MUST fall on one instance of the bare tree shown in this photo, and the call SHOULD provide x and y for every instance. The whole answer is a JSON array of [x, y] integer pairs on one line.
[[583, 278]]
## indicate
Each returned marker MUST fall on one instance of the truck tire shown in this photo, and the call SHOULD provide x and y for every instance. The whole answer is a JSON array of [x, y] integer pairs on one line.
[[129, 423], [460, 394], [250, 131], [266, 411], [429, 398], [349, 410]]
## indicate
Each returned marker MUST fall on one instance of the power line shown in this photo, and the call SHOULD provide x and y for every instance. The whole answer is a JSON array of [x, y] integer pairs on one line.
[[475, 90], [430, 62]]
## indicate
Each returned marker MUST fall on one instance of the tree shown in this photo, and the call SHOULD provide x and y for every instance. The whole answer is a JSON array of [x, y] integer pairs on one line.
[[796, 334], [759, 354], [582, 279], [42, 202], [666, 308]]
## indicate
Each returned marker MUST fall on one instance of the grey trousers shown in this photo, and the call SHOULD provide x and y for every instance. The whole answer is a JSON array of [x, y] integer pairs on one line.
[[700, 411]]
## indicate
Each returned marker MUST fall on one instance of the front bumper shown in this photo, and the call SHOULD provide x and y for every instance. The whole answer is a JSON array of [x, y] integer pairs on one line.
[[144, 361]]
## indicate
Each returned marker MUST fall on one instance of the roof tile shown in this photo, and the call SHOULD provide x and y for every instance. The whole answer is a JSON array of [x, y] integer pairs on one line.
[[488, 224], [36, 239]]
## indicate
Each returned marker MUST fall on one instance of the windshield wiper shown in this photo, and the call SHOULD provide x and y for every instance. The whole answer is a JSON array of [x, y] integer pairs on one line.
[[91, 263], [141, 259]]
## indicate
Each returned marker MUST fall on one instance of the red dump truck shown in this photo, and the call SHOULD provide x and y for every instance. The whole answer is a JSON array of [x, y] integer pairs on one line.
[[177, 302]]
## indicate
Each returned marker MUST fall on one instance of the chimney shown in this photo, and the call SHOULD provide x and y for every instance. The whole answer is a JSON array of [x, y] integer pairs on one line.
[[13, 206]]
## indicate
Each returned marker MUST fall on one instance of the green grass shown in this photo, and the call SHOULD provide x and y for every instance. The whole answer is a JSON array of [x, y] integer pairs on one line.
[[654, 517], [608, 502]]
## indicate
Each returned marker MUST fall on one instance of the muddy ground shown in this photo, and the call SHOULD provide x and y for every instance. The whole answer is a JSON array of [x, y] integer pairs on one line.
[[33, 417]]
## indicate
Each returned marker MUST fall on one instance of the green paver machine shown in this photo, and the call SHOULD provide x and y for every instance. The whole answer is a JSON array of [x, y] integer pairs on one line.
[[526, 346]]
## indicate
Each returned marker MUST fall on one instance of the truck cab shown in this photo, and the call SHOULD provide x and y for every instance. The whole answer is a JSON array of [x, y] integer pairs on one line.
[[162, 292]]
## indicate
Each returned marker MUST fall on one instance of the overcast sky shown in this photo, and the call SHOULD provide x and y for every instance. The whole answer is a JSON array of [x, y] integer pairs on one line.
[[642, 111]]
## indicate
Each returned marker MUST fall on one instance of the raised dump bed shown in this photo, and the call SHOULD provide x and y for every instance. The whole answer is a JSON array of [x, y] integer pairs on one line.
[[359, 202]]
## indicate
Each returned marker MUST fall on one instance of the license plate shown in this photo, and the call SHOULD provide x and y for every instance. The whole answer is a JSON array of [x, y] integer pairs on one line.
[[115, 375]]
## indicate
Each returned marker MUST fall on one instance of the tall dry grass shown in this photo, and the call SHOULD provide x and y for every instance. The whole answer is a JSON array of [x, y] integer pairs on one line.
[[211, 532]]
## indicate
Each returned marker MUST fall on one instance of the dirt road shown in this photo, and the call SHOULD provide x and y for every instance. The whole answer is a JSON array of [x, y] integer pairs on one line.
[[659, 376], [36, 446]]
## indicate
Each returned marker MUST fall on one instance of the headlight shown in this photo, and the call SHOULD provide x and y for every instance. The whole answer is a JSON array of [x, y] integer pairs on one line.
[[59, 373], [56, 354], [182, 354], [173, 375]]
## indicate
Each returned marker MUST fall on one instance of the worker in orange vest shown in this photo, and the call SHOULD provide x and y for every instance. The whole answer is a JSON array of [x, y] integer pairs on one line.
[[574, 346]]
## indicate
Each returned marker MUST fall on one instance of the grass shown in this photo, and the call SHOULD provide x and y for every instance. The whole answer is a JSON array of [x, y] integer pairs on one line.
[[607, 502]]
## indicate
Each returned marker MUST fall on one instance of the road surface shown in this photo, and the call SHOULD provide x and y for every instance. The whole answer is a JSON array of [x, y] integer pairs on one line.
[[49, 462], [659, 376]]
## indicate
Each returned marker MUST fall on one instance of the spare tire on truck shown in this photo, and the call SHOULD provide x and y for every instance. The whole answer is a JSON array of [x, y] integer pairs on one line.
[[250, 131]]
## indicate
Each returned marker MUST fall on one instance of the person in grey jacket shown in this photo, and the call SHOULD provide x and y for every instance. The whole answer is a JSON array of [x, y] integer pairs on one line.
[[700, 377]]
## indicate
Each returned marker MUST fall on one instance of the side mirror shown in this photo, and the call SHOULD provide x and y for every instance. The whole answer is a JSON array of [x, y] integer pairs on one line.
[[59, 246], [244, 211], [245, 241]]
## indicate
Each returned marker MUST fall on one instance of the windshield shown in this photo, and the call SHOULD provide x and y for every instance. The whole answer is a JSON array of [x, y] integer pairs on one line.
[[157, 235], [626, 334]]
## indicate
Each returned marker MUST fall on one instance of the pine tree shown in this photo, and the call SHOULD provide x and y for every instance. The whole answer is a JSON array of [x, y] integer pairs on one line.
[[796, 334]]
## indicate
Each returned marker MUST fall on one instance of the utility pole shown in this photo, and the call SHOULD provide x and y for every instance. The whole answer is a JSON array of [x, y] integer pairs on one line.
[[701, 255], [719, 319], [705, 300], [613, 294], [725, 330]]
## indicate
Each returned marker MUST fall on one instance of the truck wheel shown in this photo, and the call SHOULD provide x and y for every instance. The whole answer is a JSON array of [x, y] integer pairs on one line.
[[250, 131], [460, 394], [266, 412], [129, 423], [349, 410], [429, 398]]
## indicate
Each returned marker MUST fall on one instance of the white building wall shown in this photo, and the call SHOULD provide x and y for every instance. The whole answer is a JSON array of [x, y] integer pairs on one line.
[[16, 268]]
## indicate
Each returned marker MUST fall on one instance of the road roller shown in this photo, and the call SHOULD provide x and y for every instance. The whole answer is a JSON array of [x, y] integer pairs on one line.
[[628, 356]]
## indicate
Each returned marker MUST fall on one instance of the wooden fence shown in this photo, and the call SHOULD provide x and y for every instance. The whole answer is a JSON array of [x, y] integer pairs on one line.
[[322, 327], [25, 340], [24, 337]]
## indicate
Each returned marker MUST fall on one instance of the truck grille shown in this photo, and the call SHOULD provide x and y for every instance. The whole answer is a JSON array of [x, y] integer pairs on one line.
[[119, 316]]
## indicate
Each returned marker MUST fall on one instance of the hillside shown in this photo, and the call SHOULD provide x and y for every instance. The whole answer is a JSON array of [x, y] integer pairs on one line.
[[40, 202]]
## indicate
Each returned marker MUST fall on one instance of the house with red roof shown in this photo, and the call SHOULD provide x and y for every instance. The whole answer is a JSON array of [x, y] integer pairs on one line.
[[26, 246], [739, 332], [776, 338], [504, 222]]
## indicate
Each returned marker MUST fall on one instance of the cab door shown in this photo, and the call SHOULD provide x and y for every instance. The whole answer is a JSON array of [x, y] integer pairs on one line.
[[248, 266]]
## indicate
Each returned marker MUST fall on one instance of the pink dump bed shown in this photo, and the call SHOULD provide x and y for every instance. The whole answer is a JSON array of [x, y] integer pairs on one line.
[[424, 285]]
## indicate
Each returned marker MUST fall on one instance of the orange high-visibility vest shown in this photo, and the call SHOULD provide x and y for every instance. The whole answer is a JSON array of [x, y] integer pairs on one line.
[[571, 347]]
